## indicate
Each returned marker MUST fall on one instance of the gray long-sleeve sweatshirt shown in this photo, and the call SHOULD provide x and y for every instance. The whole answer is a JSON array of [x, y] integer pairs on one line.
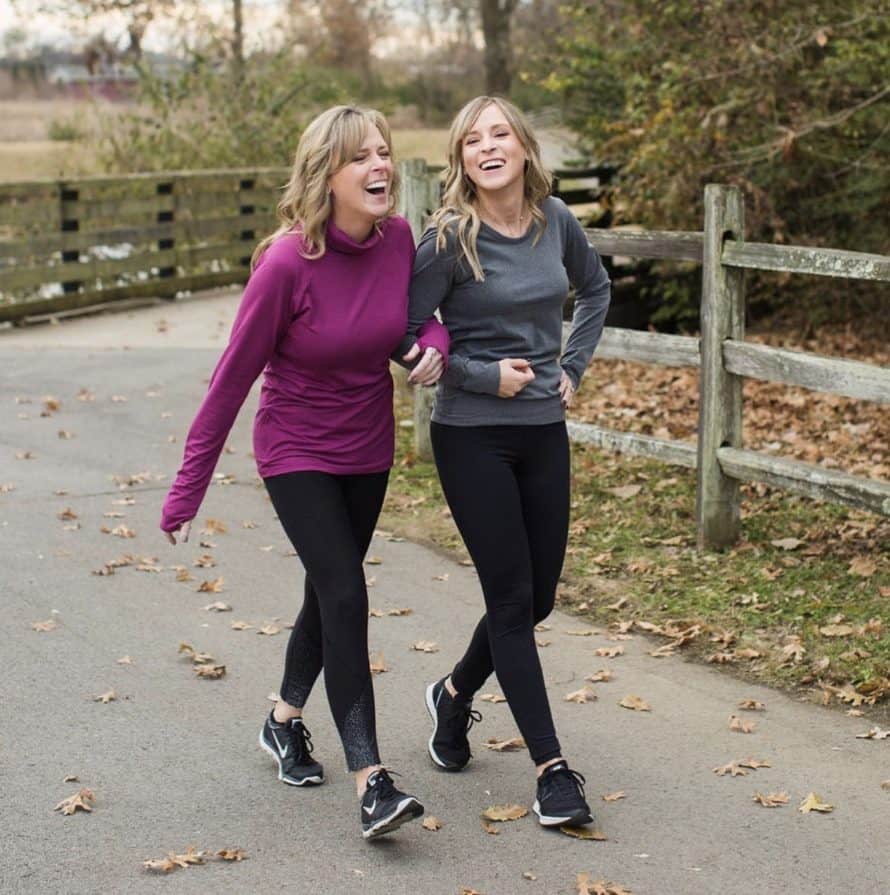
[[515, 312]]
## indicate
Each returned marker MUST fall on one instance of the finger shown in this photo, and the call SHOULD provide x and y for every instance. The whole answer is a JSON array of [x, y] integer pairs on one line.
[[422, 370], [412, 352]]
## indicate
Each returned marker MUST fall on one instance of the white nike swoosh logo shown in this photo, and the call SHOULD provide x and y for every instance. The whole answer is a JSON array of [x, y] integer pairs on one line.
[[282, 752], [370, 808]]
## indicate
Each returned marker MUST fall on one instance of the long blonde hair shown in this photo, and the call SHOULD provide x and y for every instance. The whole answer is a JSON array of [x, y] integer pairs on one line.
[[459, 212], [329, 142]]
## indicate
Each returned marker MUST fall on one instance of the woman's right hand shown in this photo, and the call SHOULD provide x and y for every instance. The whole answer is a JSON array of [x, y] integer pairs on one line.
[[516, 374], [183, 532]]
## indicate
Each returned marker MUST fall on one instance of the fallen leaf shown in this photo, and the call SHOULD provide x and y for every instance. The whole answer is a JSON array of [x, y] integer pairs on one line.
[[587, 632], [211, 587], [269, 630], [425, 646], [205, 561], [376, 613], [105, 698], [609, 652], [218, 606], [196, 657], [542, 643], [618, 604], [490, 828], [80, 801], [213, 672], [636, 703], [492, 697], [614, 796], [787, 543], [174, 861], [442, 577], [720, 658], [501, 813], [121, 531], [602, 676], [49, 625], [862, 567], [747, 653], [370, 581], [625, 492], [214, 526], [66, 514], [377, 664], [752, 705], [885, 784], [125, 660], [24, 455], [583, 833], [586, 886], [373, 561], [232, 854], [739, 726], [663, 651], [65, 435], [813, 802], [529, 875], [184, 575], [836, 630], [240, 626], [399, 611], [734, 769], [71, 778], [496, 745], [541, 627], [773, 800], [754, 763], [585, 694], [432, 823], [874, 734]]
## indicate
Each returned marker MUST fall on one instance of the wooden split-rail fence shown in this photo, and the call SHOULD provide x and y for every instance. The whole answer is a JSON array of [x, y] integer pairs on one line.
[[75, 244]]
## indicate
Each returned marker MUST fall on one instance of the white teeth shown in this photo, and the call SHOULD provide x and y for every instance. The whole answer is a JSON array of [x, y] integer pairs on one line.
[[377, 184], [490, 165]]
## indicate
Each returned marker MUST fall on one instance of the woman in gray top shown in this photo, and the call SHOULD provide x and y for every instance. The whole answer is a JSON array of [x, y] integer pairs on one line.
[[497, 262]]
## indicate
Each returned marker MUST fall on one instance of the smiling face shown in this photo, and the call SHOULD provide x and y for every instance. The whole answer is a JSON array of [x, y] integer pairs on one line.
[[360, 189], [491, 153]]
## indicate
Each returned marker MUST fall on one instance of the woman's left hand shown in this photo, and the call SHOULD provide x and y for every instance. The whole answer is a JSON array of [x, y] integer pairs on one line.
[[429, 368], [566, 390]]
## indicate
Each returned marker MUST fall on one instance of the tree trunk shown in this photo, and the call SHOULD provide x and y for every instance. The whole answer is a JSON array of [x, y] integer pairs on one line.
[[496, 17], [238, 36]]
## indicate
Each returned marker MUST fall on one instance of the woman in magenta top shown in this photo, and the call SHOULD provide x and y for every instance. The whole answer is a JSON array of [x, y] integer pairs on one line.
[[323, 311]]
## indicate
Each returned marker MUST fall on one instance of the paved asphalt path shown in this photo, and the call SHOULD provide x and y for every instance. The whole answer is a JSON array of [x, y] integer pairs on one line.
[[174, 762]]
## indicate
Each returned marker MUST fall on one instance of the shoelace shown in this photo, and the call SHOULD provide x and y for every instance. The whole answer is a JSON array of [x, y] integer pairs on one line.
[[462, 719], [300, 738], [383, 783], [565, 781]]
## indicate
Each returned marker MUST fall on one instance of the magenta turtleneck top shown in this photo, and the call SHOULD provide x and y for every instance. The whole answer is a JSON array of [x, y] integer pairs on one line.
[[322, 331]]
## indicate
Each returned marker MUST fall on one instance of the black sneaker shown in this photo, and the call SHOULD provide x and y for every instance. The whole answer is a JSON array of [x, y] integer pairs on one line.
[[290, 745], [385, 808], [452, 718], [561, 799]]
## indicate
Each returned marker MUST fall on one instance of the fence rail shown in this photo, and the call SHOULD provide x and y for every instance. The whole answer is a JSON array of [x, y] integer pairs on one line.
[[73, 244]]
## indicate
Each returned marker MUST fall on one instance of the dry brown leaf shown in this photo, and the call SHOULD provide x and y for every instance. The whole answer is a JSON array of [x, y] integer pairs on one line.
[[773, 800], [105, 698], [618, 604], [49, 625], [752, 705], [609, 652], [403, 610], [184, 574], [490, 828], [121, 531], [240, 626], [213, 527], [502, 813], [541, 627], [66, 515], [174, 861], [625, 492], [377, 664], [754, 763], [863, 567], [836, 630], [513, 745], [196, 657], [813, 802], [586, 886], [720, 658], [663, 651], [584, 695], [747, 653], [80, 801], [739, 726], [25, 455], [469, 890], [125, 660], [734, 769], [542, 643], [212, 672], [231, 854], [269, 629], [205, 561], [636, 703], [376, 613], [885, 784], [614, 796], [218, 606], [442, 577], [71, 778], [583, 833], [874, 734], [587, 632], [492, 697], [529, 875], [373, 561], [601, 676], [432, 823], [425, 646], [211, 587]]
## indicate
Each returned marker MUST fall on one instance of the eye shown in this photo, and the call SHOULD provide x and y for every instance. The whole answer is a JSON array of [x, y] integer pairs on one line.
[[470, 141]]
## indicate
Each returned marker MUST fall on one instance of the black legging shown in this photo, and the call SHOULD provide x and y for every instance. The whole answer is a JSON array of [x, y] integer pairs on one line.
[[508, 490], [330, 520]]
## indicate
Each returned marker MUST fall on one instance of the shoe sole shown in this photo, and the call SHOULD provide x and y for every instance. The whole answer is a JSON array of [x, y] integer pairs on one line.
[[578, 819], [312, 780], [406, 811], [431, 708]]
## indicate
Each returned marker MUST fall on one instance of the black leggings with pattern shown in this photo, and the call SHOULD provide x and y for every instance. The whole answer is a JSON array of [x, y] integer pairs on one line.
[[330, 520]]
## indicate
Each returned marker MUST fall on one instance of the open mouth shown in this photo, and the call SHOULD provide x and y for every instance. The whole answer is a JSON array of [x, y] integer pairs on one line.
[[377, 188], [492, 164]]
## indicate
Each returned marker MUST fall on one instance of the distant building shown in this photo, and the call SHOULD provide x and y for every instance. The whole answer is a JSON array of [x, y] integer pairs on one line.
[[115, 82]]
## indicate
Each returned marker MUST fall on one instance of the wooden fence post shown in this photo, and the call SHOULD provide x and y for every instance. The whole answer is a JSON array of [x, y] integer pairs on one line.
[[415, 204], [720, 392]]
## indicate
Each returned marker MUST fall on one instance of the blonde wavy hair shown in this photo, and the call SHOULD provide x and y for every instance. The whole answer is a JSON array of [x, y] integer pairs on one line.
[[328, 144], [459, 212]]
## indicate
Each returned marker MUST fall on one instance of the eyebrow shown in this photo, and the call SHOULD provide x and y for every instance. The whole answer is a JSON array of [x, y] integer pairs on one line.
[[493, 127]]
